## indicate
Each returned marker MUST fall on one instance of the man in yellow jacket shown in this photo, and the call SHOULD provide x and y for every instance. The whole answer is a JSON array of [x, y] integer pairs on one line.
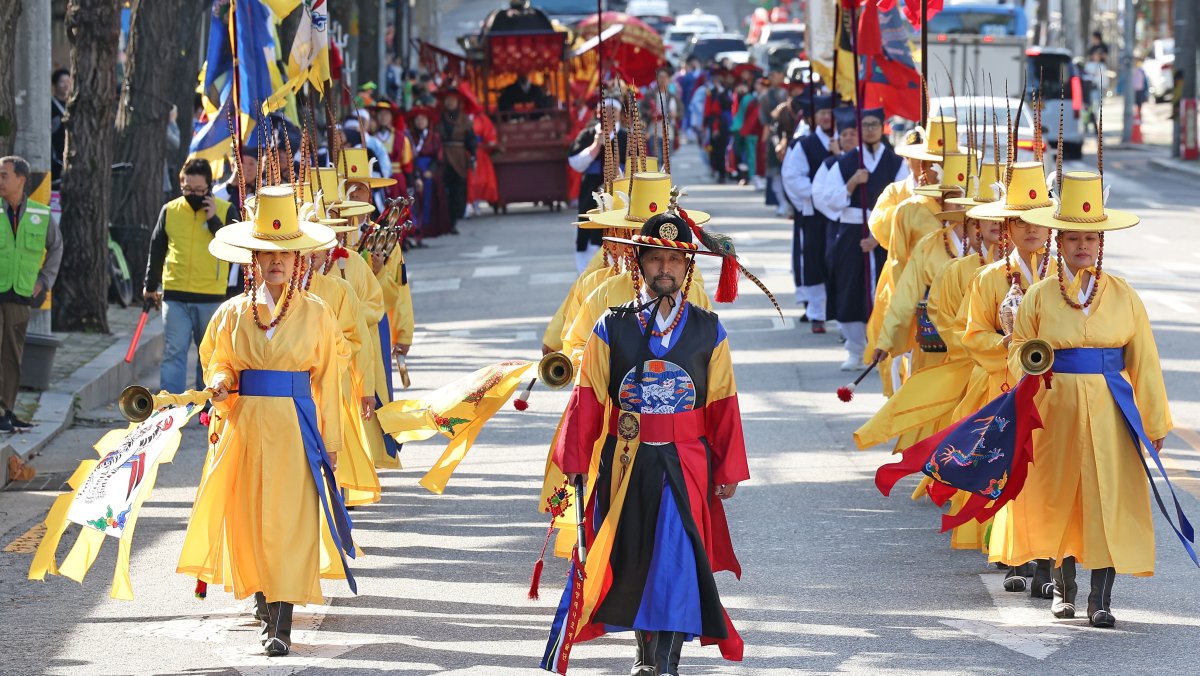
[[192, 281]]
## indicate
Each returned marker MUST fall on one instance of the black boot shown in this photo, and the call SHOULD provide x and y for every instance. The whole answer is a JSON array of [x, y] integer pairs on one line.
[[260, 607], [1014, 579], [1042, 585], [279, 629], [644, 663], [1065, 589], [670, 645], [1100, 599]]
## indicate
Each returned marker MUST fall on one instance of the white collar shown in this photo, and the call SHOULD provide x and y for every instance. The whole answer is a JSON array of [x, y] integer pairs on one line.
[[663, 322], [264, 296]]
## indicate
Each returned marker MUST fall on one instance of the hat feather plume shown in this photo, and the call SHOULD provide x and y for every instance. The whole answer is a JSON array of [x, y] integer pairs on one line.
[[999, 188], [1107, 190]]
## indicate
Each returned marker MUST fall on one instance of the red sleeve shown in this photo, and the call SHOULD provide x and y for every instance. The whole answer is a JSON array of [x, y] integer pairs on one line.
[[723, 428], [582, 425]]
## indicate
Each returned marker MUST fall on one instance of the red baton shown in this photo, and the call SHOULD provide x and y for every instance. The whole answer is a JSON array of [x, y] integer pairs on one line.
[[137, 333]]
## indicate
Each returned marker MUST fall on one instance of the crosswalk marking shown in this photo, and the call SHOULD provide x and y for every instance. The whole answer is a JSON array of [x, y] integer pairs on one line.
[[552, 277], [436, 284], [497, 271]]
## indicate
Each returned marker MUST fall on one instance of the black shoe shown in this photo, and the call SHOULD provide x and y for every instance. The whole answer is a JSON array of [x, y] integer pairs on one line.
[[1014, 580], [643, 662], [818, 326], [453, 231], [5, 423], [1100, 598], [17, 423], [1065, 588], [1042, 585], [260, 608]]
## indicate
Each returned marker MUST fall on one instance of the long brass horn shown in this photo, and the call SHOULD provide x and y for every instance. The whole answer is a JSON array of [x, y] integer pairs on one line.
[[136, 403], [1037, 357], [556, 370]]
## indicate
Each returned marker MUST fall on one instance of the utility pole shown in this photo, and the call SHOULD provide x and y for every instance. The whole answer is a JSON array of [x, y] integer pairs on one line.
[[1129, 22], [32, 139], [1187, 59]]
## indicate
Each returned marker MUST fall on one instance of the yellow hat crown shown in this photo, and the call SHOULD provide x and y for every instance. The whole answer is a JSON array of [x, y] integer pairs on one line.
[[649, 195], [1027, 187], [942, 135], [989, 173], [354, 164], [275, 214], [956, 169], [622, 184], [1082, 198], [329, 185]]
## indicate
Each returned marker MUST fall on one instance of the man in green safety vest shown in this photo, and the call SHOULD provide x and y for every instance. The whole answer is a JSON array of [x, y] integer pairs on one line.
[[30, 253], [193, 282]]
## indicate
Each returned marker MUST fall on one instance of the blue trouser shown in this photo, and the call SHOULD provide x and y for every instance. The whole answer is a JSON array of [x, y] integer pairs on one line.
[[183, 323]]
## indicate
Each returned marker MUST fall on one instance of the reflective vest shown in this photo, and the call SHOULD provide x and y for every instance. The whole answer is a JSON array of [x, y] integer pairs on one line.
[[189, 267], [22, 252]]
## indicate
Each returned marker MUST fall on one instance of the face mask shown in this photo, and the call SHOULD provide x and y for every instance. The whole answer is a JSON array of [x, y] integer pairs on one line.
[[196, 202]]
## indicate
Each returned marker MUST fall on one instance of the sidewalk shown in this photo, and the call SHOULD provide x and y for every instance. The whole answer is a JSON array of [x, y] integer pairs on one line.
[[1157, 128], [89, 370]]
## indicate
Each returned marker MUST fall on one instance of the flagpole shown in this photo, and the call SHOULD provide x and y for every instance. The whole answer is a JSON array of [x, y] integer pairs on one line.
[[600, 52], [858, 109], [237, 105], [924, 63], [837, 43]]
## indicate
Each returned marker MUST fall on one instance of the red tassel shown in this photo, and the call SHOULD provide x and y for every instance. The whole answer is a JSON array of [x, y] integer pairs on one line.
[[340, 252], [201, 589], [205, 418], [845, 393], [520, 404], [537, 580], [727, 287]]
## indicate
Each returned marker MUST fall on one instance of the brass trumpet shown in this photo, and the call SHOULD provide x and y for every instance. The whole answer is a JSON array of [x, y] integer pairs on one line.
[[556, 370], [137, 403], [1036, 356]]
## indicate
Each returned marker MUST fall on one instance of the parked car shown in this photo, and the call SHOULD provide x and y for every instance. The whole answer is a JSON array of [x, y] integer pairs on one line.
[[566, 12], [706, 46], [735, 57], [675, 42], [1159, 67], [654, 13], [701, 22], [1062, 90], [963, 108], [777, 35]]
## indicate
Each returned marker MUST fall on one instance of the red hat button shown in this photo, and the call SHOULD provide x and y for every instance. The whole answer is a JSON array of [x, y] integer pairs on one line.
[[1032, 194], [354, 168], [654, 207], [276, 224], [1087, 206]]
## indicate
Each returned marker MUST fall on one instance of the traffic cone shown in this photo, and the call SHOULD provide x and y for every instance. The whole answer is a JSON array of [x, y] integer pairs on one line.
[[1135, 135]]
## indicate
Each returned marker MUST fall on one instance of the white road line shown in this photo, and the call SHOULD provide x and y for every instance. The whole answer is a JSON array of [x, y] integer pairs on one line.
[[514, 337], [1169, 300], [1022, 627], [497, 271], [552, 277], [434, 285]]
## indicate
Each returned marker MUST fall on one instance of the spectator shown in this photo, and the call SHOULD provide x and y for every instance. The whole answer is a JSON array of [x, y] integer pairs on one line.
[[1098, 46], [193, 281], [60, 83], [29, 260]]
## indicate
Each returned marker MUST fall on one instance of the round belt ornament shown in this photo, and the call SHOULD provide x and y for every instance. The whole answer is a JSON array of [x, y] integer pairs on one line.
[[627, 426]]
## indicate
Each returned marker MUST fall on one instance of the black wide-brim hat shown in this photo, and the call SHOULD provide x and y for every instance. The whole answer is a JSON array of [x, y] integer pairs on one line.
[[664, 231]]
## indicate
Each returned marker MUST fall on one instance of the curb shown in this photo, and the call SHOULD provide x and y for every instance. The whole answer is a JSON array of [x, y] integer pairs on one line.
[[1177, 166], [92, 385]]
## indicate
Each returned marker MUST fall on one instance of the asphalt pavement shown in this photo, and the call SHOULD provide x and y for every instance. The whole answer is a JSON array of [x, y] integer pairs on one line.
[[837, 579]]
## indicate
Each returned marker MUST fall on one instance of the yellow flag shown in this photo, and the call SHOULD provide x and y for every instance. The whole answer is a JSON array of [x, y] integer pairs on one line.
[[308, 61], [457, 410]]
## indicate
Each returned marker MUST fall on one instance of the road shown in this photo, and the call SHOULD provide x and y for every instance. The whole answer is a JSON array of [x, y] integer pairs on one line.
[[837, 578]]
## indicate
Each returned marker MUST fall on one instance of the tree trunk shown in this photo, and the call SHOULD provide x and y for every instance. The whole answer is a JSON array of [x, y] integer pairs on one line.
[[368, 43], [153, 67], [81, 294], [9, 13], [181, 90]]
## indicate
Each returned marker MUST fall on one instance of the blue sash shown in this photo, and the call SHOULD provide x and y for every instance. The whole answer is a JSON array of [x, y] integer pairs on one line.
[[385, 346], [1109, 362], [295, 385]]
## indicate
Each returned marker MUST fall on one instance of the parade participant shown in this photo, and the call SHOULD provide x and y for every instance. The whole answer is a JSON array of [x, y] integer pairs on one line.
[[674, 451], [906, 324], [909, 221], [718, 118], [391, 133], [800, 166], [430, 212], [458, 150], [654, 115], [351, 267], [1085, 501], [850, 191], [586, 157], [271, 358], [482, 188], [991, 308]]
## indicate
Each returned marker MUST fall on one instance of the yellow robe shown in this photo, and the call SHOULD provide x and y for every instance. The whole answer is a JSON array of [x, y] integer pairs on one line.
[[1087, 495], [397, 298], [370, 298], [918, 410], [552, 338], [982, 336], [355, 471], [257, 519]]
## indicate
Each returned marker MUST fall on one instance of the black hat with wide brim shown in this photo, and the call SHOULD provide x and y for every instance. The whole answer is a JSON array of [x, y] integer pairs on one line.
[[665, 231]]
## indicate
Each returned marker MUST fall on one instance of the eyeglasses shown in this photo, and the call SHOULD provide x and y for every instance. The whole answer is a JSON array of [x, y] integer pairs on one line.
[[189, 190], [872, 125]]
